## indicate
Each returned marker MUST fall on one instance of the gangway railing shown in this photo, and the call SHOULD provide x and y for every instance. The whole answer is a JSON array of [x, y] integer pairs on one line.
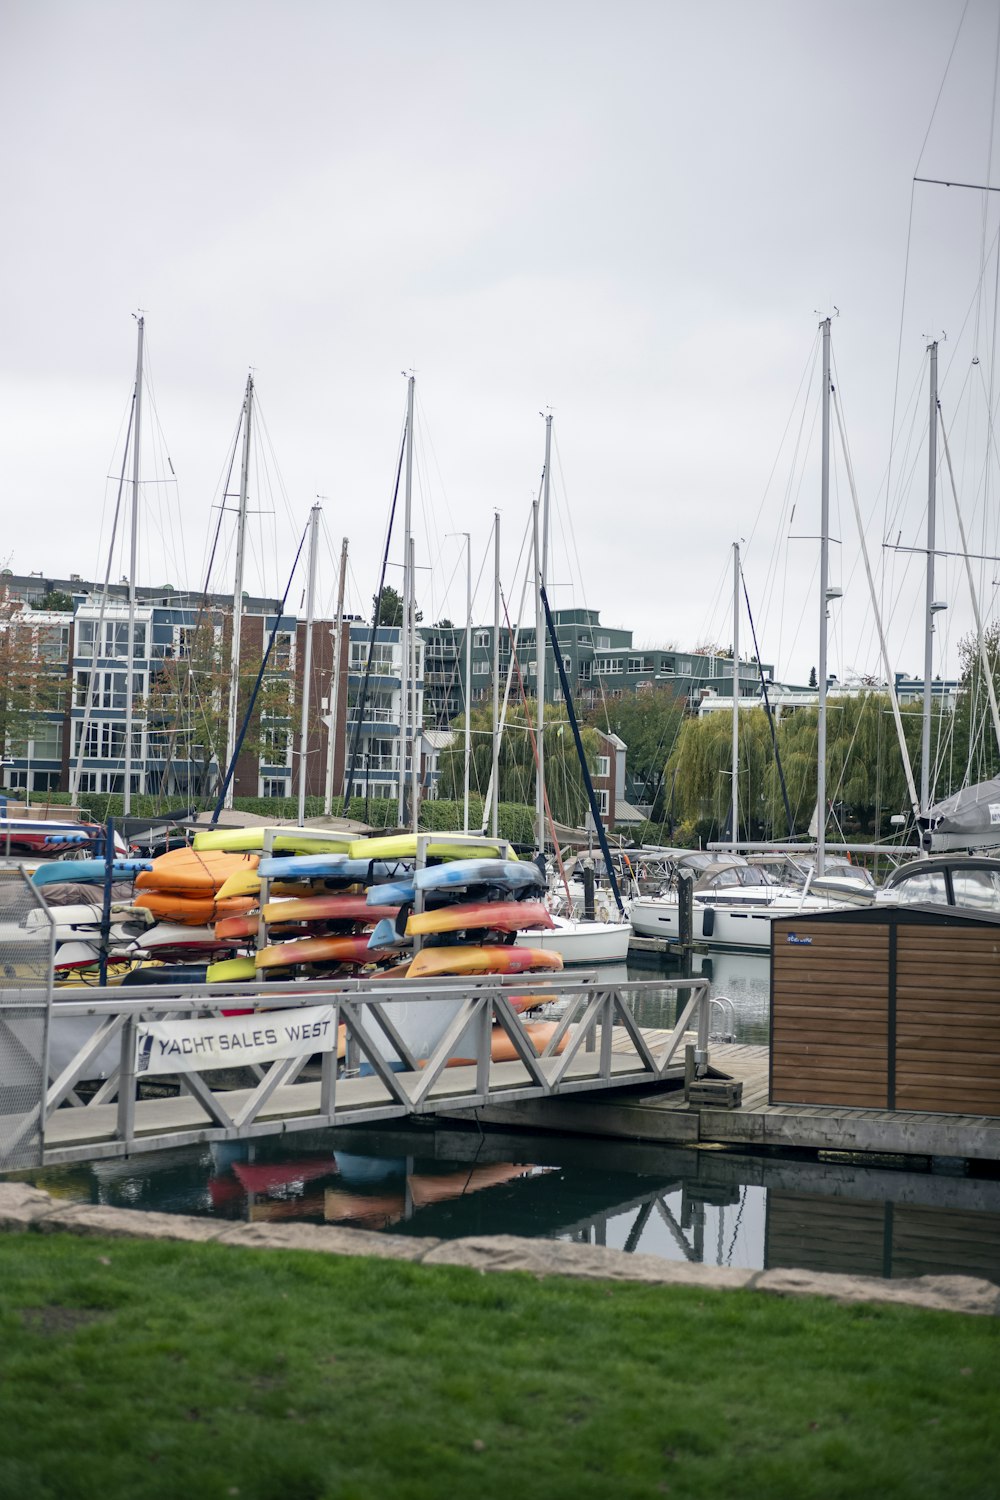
[[384, 1052]]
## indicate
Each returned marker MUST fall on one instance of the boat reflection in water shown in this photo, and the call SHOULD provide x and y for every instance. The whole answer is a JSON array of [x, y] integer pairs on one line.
[[701, 1206]]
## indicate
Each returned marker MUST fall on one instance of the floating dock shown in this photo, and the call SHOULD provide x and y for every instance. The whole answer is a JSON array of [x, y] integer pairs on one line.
[[666, 1115]]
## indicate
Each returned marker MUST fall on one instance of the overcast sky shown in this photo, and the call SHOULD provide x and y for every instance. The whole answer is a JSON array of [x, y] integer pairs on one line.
[[630, 214]]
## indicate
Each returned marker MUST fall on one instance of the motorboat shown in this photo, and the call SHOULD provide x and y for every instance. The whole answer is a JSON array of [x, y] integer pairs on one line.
[[734, 902]]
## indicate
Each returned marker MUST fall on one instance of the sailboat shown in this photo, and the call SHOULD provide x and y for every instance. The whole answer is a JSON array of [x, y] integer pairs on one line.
[[579, 941]]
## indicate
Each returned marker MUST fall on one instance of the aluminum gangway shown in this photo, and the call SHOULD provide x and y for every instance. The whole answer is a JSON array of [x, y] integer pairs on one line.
[[166, 1057]]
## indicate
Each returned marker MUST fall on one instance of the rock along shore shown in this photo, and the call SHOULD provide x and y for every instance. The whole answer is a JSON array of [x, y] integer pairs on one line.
[[28, 1208]]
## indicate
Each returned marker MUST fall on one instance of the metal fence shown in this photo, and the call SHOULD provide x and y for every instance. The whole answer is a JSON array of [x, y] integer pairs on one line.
[[391, 1063], [26, 953]]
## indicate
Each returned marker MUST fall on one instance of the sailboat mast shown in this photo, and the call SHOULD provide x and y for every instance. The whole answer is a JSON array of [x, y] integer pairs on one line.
[[314, 515], [468, 680], [824, 584], [414, 736], [335, 684], [541, 570], [133, 565], [925, 743], [736, 695], [404, 640], [234, 649], [495, 769]]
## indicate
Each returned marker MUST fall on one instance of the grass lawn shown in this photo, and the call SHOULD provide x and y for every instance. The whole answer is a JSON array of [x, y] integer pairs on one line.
[[189, 1371]]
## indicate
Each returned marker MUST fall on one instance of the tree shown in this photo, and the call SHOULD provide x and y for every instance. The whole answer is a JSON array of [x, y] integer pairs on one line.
[[563, 777], [390, 609], [974, 748], [812, 677], [56, 601], [649, 724]]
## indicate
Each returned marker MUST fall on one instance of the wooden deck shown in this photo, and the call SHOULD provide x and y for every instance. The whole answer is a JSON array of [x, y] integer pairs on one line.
[[664, 1115]]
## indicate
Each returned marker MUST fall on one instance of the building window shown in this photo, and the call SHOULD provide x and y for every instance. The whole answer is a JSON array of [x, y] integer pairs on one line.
[[603, 642], [602, 801], [273, 786], [480, 638], [604, 765], [607, 666], [480, 668]]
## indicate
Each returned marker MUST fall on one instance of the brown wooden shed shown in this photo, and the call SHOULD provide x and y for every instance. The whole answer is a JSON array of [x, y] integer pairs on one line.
[[888, 1007]]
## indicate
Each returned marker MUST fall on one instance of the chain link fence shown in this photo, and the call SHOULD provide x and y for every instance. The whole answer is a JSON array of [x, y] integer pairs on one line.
[[26, 954]]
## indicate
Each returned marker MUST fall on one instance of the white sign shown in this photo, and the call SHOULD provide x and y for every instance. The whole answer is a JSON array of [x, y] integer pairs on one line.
[[994, 813], [190, 1046]]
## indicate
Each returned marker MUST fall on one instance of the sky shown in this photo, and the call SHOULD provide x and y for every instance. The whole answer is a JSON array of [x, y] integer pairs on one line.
[[632, 216]]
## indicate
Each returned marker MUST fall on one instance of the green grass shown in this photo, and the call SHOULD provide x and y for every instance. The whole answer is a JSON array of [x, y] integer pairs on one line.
[[137, 1369]]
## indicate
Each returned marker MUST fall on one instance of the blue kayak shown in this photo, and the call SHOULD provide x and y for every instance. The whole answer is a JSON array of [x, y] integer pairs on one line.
[[394, 893], [506, 874], [384, 935], [333, 868], [88, 871]]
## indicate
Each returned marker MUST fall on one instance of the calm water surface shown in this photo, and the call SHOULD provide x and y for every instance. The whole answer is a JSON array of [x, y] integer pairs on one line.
[[707, 1206]]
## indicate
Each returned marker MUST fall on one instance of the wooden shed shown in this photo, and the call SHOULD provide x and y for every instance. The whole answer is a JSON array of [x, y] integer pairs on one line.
[[888, 1007]]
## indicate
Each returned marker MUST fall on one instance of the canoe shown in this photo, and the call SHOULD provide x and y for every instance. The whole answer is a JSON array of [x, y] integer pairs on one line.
[[404, 846], [231, 970], [286, 840], [88, 871], [346, 948], [506, 874], [481, 959], [333, 906], [192, 871], [494, 916]]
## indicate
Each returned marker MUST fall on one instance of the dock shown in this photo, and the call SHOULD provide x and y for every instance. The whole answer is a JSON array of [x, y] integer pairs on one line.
[[665, 1115]]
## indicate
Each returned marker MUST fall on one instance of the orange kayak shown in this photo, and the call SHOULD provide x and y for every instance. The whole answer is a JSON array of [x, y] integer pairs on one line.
[[196, 872], [486, 959], [468, 916], [539, 1034], [330, 907], [349, 948]]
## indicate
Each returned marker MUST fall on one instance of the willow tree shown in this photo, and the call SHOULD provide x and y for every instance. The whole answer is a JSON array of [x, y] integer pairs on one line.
[[974, 751], [563, 777], [700, 772]]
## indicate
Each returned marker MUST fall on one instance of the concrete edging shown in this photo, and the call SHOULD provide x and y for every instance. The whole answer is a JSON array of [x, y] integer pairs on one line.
[[28, 1208]]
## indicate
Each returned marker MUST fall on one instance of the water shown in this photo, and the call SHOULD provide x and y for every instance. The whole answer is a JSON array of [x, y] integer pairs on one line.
[[710, 1206], [704, 1206]]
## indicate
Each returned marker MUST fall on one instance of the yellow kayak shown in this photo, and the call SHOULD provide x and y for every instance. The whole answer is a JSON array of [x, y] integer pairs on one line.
[[286, 840], [443, 846], [244, 882], [228, 970]]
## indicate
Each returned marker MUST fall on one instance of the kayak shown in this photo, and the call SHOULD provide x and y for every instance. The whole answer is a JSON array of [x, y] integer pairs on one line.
[[507, 874], [231, 970], [194, 872], [481, 959], [502, 1049], [393, 893], [88, 871], [495, 916], [286, 840], [404, 845], [384, 934], [333, 868], [333, 906], [350, 948]]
